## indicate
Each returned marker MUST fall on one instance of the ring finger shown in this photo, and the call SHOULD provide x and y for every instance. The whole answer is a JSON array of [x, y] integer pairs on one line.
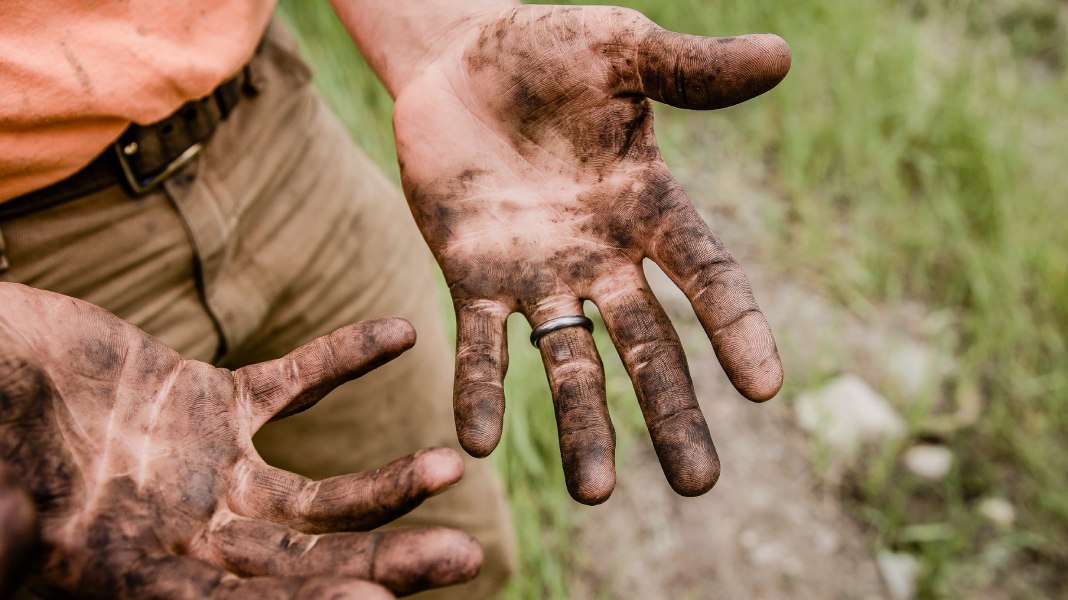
[[576, 379]]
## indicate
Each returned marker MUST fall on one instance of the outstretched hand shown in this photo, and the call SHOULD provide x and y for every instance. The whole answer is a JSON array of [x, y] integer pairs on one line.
[[528, 157], [146, 483]]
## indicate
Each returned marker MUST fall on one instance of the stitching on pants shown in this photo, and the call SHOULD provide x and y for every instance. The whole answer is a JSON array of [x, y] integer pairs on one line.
[[185, 178]]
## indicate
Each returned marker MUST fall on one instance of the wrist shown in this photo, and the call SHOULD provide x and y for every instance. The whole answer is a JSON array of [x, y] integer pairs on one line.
[[400, 41]]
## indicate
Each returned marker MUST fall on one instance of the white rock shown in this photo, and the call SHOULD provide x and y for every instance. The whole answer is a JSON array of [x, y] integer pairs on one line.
[[998, 510], [826, 541], [929, 461], [911, 365], [749, 539], [899, 571], [846, 413]]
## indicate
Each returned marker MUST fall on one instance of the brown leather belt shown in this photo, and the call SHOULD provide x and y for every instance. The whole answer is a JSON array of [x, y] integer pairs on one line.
[[144, 155]]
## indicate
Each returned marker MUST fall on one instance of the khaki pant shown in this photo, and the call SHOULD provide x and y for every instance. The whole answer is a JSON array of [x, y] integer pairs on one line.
[[280, 231]]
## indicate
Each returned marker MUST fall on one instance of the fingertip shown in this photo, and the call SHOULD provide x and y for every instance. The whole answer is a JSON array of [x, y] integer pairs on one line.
[[592, 486], [410, 334], [780, 57], [472, 553], [754, 367], [373, 340], [589, 465], [766, 386], [687, 455], [440, 467], [402, 332], [413, 560], [695, 478], [748, 354], [476, 441], [479, 416], [763, 60]]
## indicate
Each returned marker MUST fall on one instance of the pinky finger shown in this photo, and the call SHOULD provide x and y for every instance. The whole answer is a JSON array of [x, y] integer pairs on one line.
[[481, 362]]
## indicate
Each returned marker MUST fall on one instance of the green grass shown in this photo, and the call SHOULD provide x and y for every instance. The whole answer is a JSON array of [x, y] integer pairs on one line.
[[920, 151]]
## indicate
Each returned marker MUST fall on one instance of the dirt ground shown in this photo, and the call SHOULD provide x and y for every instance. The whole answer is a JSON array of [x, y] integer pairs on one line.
[[772, 527]]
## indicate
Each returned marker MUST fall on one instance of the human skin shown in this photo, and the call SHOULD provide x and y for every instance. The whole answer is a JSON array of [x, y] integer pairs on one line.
[[145, 483], [527, 154]]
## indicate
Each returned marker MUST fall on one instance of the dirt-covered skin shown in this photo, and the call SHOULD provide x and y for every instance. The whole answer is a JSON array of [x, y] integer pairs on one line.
[[18, 530], [528, 157], [141, 467]]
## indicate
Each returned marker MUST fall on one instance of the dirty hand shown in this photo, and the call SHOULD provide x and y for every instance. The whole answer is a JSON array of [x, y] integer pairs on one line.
[[146, 483], [528, 157]]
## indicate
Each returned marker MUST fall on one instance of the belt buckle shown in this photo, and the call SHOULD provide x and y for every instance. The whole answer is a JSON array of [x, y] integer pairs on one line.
[[140, 186]]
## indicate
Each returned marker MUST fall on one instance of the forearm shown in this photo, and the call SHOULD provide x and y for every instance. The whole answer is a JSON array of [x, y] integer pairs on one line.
[[397, 38]]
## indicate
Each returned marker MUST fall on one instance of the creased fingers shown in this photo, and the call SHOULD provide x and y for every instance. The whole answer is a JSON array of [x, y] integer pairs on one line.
[[356, 502], [278, 388], [698, 262], [481, 363], [403, 560], [183, 577], [654, 359], [587, 438]]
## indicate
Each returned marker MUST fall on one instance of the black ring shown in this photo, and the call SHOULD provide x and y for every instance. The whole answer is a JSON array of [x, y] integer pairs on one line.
[[559, 323]]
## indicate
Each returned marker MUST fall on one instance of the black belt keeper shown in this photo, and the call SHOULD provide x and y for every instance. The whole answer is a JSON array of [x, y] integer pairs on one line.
[[144, 155]]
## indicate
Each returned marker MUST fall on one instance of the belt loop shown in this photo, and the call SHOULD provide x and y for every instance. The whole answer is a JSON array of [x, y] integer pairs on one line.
[[4, 264]]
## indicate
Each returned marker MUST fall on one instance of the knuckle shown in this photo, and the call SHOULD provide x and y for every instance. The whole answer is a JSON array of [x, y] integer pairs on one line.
[[646, 350], [578, 369]]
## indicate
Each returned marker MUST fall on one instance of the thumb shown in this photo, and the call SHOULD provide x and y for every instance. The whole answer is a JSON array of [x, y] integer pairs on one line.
[[692, 71]]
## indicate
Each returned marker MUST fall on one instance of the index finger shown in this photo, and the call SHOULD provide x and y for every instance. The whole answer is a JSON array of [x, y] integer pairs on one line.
[[357, 501], [698, 262]]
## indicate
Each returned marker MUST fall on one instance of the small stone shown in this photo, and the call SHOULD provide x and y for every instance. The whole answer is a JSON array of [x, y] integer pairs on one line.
[[899, 571], [998, 511], [929, 461], [826, 541], [911, 365], [767, 554], [846, 413], [749, 539], [999, 554]]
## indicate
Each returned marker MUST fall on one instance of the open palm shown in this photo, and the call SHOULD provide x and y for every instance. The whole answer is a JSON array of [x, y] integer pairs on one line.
[[146, 484], [528, 157]]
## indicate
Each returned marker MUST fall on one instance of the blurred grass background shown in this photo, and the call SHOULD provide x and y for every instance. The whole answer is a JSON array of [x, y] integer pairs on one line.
[[920, 148]]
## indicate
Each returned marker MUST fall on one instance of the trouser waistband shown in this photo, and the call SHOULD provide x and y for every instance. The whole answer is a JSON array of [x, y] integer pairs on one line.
[[144, 155]]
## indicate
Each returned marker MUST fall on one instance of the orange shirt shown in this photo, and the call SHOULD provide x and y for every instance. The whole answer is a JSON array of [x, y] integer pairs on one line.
[[73, 75]]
